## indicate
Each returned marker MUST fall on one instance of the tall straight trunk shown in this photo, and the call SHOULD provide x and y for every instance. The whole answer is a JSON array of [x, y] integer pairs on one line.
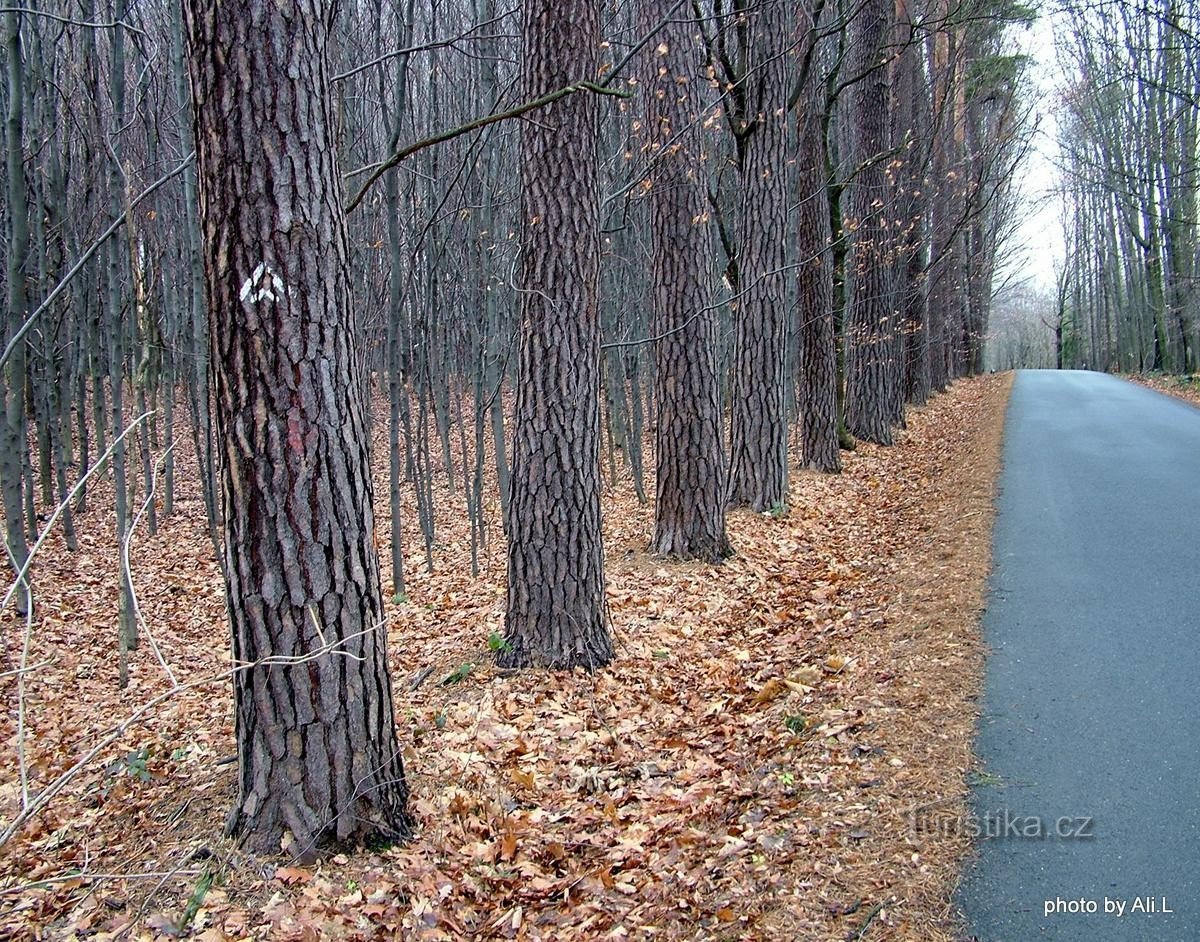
[[870, 370], [911, 134], [1178, 200], [556, 610], [817, 335], [758, 396], [397, 390], [84, 300], [1126, 353], [98, 301], [975, 236], [689, 512], [168, 415], [195, 339], [396, 386], [42, 379], [143, 329], [959, 309], [318, 759], [942, 221], [637, 423], [54, 203], [423, 464], [126, 625], [1155, 288], [495, 323], [12, 379]]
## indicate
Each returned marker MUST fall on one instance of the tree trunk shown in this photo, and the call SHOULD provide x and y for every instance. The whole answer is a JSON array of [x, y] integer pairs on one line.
[[318, 759], [911, 133], [942, 222], [689, 513], [12, 382], [556, 609], [195, 345], [818, 341], [758, 401], [397, 388], [870, 372]]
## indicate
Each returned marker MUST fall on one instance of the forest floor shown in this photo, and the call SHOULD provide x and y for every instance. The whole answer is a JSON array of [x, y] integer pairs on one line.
[[1181, 387], [762, 761]]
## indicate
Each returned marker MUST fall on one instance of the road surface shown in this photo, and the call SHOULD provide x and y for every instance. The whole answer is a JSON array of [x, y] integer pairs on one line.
[[1091, 711]]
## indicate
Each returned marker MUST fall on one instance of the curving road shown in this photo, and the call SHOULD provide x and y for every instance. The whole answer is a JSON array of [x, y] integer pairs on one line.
[[1091, 709]]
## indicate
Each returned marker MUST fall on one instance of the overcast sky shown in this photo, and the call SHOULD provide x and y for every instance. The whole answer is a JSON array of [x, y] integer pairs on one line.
[[1040, 235]]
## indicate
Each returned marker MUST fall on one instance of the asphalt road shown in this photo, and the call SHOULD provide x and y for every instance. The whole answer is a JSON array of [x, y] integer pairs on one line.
[[1091, 711]]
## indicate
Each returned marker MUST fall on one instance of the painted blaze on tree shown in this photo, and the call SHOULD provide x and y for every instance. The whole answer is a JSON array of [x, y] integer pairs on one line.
[[318, 760]]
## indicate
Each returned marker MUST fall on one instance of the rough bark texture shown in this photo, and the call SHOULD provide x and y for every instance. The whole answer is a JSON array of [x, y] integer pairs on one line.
[[818, 341], [758, 401], [956, 311], [556, 611], [12, 381], [910, 135], [689, 513], [870, 370], [941, 219], [316, 740]]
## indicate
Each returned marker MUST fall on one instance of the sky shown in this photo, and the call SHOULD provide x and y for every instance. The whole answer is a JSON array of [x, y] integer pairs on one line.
[[1040, 234]]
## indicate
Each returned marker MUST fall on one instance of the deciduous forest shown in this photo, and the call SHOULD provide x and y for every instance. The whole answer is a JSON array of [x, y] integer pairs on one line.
[[477, 469]]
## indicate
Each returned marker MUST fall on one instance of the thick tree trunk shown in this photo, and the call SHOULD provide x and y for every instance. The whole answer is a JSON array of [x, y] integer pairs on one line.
[[316, 738], [910, 134], [556, 609], [758, 398], [818, 340], [689, 513], [870, 370]]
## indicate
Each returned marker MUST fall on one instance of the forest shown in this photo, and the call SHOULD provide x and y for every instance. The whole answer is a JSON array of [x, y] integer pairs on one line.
[[430, 426]]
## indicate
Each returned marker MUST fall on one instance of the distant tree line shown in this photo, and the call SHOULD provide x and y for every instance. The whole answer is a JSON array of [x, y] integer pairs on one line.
[[1127, 293]]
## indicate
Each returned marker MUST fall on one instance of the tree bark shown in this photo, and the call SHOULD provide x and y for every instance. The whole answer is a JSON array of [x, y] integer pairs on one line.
[[689, 513], [870, 370], [556, 610], [12, 381], [912, 98], [193, 291], [818, 340], [318, 759], [758, 401], [942, 53]]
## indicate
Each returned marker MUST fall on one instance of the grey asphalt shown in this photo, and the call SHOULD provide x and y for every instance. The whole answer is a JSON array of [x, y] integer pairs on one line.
[[1091, 708]]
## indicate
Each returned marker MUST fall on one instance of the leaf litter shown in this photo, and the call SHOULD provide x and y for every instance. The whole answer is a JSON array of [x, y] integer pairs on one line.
[[746, 769], [1186, 388]]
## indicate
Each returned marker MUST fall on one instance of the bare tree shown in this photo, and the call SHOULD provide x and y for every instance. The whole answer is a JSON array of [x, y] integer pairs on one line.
[[12, 379]]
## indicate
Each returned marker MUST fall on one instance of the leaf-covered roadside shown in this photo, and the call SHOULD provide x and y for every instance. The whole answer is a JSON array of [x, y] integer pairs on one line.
[[1181, 387], [745, 769]]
